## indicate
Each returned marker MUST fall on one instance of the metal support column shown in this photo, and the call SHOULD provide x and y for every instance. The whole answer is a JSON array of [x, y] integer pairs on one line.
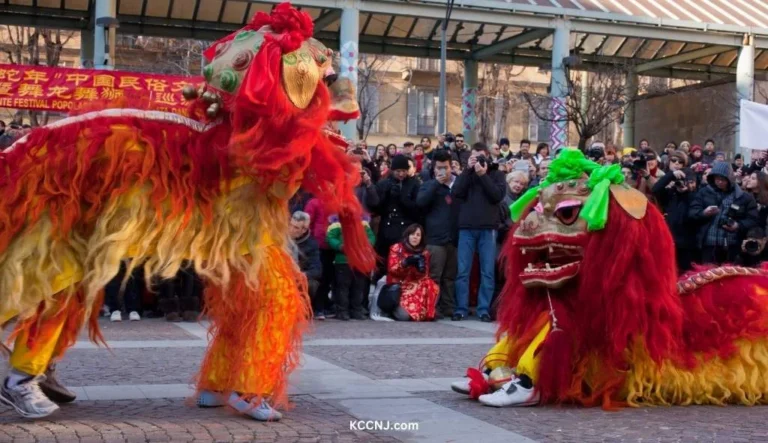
[[629, 112], [745, 83], [348, 54], [104, 34], [86, 49], [469, 102], [561, 43]]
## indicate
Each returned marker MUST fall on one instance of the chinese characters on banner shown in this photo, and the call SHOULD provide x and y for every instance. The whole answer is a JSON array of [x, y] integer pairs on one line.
[[63, 89]]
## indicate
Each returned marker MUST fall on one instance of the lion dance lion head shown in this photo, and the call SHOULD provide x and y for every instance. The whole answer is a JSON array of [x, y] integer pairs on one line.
[[591, 255], [277, 88]]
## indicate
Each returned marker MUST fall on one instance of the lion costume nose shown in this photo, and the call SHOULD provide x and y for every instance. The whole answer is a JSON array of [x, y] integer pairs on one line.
[[330, 76]]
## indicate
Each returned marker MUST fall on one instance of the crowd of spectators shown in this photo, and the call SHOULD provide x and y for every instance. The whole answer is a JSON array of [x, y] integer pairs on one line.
[[12, 132], [438, 213]]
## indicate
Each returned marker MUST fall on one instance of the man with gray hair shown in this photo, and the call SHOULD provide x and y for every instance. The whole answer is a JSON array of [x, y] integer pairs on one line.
[[308, 257]]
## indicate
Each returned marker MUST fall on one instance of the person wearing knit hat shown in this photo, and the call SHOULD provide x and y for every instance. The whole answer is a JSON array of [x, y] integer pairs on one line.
[[397, 206], [674, 192], [697, 159], [678, 160], [504, 148], [399, 163]]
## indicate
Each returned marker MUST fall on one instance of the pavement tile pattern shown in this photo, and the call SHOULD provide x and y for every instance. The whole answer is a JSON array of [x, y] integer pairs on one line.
[[401, 379], [664, 424], [410, 361], [89, 367], [165, 420]]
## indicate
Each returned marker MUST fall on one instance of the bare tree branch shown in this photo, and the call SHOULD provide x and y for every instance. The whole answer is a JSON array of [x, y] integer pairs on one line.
[[372, 71], [592, 102]]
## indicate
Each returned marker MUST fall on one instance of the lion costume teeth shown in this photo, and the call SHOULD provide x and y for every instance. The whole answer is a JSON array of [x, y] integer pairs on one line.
[[158, 190]]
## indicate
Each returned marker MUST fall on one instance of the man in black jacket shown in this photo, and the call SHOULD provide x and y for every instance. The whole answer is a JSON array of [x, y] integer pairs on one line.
[[442, 216], [397, 207], [308, 253], [481, 187], [724, 214], [675, 192]]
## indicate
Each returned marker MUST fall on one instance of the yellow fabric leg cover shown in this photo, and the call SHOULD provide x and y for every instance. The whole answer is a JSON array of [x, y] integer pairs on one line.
[[33, 356], [497, 355], [256, 333], [529, 361]]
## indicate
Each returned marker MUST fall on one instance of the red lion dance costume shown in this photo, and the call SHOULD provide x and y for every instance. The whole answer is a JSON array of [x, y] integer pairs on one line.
[[156, 189], [593, 313]]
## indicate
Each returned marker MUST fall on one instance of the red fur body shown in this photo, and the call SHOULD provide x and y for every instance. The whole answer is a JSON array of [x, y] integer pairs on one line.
[[625, 291]]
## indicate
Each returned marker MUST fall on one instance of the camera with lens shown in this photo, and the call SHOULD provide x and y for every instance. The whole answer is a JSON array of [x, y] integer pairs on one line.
[[482, 160], [449, 138], [733, 213], [751, 246], [640, 162], [421, 264], [595, 153]]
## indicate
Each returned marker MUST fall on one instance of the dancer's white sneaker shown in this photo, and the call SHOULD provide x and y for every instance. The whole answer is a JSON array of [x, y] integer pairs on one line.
[[462, 386], [511, 394]]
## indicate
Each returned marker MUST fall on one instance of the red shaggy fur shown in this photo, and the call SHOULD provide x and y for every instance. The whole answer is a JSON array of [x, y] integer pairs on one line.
[[265, 137], [626, 290]]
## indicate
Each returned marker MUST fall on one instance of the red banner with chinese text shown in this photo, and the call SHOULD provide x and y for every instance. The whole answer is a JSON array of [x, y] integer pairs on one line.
[[45, 88]]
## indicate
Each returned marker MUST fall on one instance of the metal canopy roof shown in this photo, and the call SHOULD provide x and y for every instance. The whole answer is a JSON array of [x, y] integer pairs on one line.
[[669, 38]]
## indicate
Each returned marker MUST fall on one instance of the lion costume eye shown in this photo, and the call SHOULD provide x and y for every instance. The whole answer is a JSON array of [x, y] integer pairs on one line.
[[568, 211]]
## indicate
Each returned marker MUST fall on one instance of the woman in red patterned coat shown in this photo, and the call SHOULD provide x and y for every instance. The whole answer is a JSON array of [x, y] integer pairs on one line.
[[409, 266]]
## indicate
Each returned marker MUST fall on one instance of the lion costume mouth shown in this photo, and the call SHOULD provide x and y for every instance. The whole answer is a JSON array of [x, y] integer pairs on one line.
[[551, 260]]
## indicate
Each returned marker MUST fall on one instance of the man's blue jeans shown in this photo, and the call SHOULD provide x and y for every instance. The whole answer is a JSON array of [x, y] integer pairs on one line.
[[482, 241]]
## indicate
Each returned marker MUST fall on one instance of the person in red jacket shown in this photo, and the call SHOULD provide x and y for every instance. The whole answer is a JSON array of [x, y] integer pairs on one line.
[[408, 266]]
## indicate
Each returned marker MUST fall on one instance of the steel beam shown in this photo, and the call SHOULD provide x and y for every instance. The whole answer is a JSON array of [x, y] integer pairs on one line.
[[681, 58], [510, 43], [327, 19]]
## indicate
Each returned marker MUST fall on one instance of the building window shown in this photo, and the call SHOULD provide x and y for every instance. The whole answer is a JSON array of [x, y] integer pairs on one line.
[[427, 64], [538, 129], [422, 111]]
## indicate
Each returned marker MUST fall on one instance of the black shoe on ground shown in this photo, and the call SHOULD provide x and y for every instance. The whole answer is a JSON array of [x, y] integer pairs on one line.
[[485, 318], [343, 316], [357, 316], [54, 390], [457, 317], [439, 316]]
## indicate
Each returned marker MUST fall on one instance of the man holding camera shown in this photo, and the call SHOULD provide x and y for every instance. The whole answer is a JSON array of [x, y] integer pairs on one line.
[[724, 214], [441, 213], [674, 192], [481, 187]]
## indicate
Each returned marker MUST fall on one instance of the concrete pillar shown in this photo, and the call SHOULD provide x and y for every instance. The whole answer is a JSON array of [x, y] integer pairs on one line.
[[629, 111], [348, 55], [104, 33], [745, 84], [86, 49], [561, 46], [469, 102]]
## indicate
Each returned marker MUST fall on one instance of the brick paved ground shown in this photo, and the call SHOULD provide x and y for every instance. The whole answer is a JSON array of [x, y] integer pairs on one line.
[[146, 329], [341, 383], [376, 329], [412, 361], [164, 420], [88, 367], [667, 424]]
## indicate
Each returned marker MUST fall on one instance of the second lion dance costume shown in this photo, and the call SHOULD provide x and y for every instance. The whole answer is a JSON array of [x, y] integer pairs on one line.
[[156, 190], [593, 313]]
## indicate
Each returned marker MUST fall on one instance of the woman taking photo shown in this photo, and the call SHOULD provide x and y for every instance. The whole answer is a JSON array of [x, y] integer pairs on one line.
[[409, 267], [756, 184]]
